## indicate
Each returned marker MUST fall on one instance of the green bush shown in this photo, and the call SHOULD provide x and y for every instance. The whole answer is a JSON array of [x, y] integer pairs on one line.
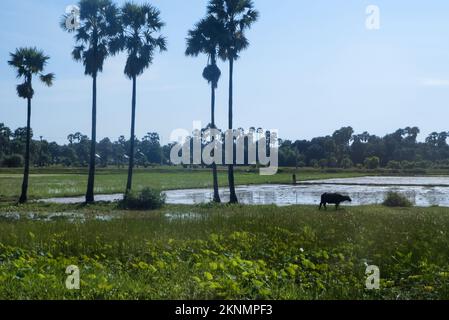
[[394, 199], [408, 165], [346, 163], [393, 164], [147, 199], [372, 163], [13, 161]]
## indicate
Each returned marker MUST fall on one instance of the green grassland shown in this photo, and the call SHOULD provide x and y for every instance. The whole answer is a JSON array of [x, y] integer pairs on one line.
[[224, 252], [53, 182], [213, 251]]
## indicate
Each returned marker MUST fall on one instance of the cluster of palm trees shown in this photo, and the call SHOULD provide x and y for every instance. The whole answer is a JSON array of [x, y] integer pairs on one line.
[[106, 30], [221, 34]]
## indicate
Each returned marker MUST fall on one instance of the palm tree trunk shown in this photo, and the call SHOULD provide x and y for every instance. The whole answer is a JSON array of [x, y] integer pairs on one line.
[[91, 179], [26, 173], [232, 194], [131, 151], [214, 165]]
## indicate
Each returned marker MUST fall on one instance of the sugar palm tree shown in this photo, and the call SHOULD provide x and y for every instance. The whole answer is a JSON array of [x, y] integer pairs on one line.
[[141, 38], [207, 38], [237, 16], [96, 39], [29, 62]]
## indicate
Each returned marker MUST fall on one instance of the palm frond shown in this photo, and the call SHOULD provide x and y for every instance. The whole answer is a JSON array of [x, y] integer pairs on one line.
[[98, 35], [237, 16], [47, 79], [141, 27], [28, 62]]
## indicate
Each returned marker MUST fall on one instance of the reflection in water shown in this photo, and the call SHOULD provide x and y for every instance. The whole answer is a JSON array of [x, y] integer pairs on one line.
[[434, 191]]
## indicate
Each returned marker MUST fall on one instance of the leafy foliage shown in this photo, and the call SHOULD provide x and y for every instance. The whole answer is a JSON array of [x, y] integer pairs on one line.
[[394, 199], [97, 35], [147, 199], [140, 36], [237, 16], [28, 62], [225, 253], [13, 161], [208, 37]]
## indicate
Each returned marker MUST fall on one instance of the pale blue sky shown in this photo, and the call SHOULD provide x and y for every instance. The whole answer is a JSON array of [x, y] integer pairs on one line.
[[312, 67]]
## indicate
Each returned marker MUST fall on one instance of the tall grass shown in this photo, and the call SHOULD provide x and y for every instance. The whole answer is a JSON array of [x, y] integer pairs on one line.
[[230, 252], [53, 183]]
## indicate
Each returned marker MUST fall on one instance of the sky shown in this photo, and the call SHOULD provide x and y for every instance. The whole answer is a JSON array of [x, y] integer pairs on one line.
[[312, 67]]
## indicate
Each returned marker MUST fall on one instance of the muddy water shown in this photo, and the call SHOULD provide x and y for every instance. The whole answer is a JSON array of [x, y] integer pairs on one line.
[[310, 194], [422, 191], [388, 181]]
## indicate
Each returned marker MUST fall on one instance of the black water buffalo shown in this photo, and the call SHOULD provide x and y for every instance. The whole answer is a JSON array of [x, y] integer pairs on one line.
[[333, 198]]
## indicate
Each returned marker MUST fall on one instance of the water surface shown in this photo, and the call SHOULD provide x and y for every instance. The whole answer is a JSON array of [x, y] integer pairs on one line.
[[422, 191]]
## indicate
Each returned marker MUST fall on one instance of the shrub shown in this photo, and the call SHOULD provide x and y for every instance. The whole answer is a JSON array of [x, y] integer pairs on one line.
[[408, 165], [301, 164], [372, 162], [147, 199], [423, 164], [13, 161], [346, 163], [314, 163], [393, 164], [394, 199]]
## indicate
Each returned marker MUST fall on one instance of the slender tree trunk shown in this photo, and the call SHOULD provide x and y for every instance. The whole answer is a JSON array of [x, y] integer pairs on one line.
[[26, 172], [131, 151], [214, 165], [91, 179], [232, 194]]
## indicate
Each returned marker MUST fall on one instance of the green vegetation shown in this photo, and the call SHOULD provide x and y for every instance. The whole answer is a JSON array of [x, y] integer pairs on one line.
[[207, 252], [96, 40], [207, 37], [236, 18], [394, 199], [139, 38], [147, 199], [29, 63], [49, 183]]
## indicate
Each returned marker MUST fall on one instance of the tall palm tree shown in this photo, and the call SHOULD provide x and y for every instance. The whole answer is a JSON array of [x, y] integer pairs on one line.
[[207, 38], [141, 27], [237, 17], [29, 62], [96, 39]]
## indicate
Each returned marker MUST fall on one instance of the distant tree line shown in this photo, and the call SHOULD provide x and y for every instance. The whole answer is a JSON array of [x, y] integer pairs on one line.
[[342, 149], [75, 153], [345, 149]]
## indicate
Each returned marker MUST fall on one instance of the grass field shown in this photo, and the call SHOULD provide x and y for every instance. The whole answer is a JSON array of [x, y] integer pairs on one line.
[[49, 183], [224, 252], [213, 252]]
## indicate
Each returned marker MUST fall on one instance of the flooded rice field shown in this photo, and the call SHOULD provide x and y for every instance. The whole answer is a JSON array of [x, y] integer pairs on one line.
[[422, 191]]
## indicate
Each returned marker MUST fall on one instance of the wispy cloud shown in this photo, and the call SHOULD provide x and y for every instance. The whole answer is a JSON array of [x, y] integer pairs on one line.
[[434, 82]]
